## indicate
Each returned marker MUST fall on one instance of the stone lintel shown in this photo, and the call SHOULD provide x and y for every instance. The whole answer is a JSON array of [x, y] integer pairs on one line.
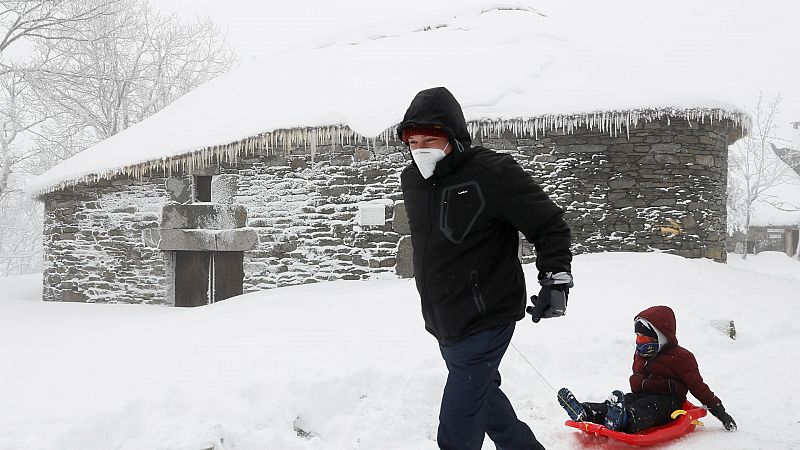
[[212, 216], [238, 240], [206, 171]]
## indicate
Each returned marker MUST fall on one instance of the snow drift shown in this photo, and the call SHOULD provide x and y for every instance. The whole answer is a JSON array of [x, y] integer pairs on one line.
[[346, 365]]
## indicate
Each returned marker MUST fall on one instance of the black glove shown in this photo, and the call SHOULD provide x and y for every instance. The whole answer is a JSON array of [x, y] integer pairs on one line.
[[552, 298], [719, 412], [551, 302]]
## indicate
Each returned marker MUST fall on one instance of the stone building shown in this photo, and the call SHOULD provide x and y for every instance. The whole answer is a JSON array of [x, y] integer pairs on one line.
[[256, 180], [266, 216]]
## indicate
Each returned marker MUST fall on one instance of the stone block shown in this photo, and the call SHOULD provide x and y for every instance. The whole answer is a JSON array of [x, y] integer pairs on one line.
[[179, 189], [649, 159], [583, 148], [400, 219], [708, 140], [682, 139], [275, 161], [334, 191], [298, 163], [666, 148], [342, 160], [545, 158], [224, 188], [238, 240], [405, 262], [664, 202], [714, 253], [362, 154], [615, 196], [388, 262], [622, 148], [704, 160], [688, 221], [621, 183], [203, 216], [204, 171], [72, 296], [666, 159]]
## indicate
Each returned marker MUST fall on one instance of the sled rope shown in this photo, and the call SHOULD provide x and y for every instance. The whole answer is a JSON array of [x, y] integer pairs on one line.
[[543, 378]]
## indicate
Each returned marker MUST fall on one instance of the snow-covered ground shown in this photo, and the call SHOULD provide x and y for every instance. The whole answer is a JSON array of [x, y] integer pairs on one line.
[[350, 363]]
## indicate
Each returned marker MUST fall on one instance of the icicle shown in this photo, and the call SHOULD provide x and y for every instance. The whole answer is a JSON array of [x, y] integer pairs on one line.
[[313, 146], [628, 126]]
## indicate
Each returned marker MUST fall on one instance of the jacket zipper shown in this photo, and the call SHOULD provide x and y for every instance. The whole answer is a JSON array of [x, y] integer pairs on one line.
[[431, 310]]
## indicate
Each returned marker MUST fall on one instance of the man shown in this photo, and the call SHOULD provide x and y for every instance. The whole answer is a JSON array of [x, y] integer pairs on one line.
[[466, 206]]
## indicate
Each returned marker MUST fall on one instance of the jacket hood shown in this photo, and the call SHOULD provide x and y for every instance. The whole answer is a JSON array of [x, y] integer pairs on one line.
[[436, 107], [662, 318]]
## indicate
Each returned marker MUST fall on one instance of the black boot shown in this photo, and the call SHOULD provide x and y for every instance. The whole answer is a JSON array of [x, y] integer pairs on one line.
[[617, 415], [571, 405]]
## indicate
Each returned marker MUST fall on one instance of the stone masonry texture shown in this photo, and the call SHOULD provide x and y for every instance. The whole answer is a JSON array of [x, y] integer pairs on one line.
[[660, 188]]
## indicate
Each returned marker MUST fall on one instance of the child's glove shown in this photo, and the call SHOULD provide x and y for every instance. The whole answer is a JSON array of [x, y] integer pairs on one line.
[[719, 412], [552, 298]]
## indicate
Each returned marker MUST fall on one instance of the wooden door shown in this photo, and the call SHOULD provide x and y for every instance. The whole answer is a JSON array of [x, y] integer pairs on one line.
[[228, 276], [192, 278], [206, 277]]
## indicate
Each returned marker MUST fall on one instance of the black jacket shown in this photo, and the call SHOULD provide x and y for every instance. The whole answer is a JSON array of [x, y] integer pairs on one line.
[[464, 228]]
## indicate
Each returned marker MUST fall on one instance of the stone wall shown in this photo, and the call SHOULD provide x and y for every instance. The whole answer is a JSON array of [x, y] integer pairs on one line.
[[93, 248], [662, 187], [307, 218]]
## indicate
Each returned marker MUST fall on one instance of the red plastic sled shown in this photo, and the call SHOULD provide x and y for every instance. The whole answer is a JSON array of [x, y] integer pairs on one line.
[[685, 422]]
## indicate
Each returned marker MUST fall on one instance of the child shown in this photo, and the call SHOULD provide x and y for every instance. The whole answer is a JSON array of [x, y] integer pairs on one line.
[[663, 372]]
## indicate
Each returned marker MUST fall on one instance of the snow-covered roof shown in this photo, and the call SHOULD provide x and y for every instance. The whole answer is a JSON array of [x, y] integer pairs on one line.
[[501, 62]]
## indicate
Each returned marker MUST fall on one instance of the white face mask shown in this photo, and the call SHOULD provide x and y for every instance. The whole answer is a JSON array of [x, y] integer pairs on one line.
[[426, 159]]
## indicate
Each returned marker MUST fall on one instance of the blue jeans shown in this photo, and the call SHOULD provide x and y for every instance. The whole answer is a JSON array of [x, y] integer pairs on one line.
[[473, 404]]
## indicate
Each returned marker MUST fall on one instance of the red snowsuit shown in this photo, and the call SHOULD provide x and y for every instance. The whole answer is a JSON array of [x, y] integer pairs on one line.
[[674, 369]]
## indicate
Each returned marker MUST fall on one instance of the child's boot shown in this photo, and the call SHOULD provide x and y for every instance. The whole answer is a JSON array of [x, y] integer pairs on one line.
[[571, 405], [617, 415]]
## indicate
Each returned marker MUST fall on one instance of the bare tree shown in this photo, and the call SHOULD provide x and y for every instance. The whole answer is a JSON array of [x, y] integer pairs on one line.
[[97, 67], [47, 20], [20, 232], [31, 22], [126, 68], [754, 168]]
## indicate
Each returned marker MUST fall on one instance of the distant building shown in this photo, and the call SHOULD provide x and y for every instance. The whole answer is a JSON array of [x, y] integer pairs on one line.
[[778, 238]]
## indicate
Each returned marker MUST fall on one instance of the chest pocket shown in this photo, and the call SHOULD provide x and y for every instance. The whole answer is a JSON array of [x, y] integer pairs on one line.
[[461, 205]]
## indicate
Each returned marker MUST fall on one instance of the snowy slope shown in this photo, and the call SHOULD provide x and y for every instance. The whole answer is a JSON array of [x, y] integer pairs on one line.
[[500, 61], [351, 363]]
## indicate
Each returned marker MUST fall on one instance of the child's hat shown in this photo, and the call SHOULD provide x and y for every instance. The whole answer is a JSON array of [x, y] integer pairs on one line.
[[643, 327]]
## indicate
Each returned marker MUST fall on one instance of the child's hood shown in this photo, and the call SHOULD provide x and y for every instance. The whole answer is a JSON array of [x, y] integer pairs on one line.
[[662, 318]]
